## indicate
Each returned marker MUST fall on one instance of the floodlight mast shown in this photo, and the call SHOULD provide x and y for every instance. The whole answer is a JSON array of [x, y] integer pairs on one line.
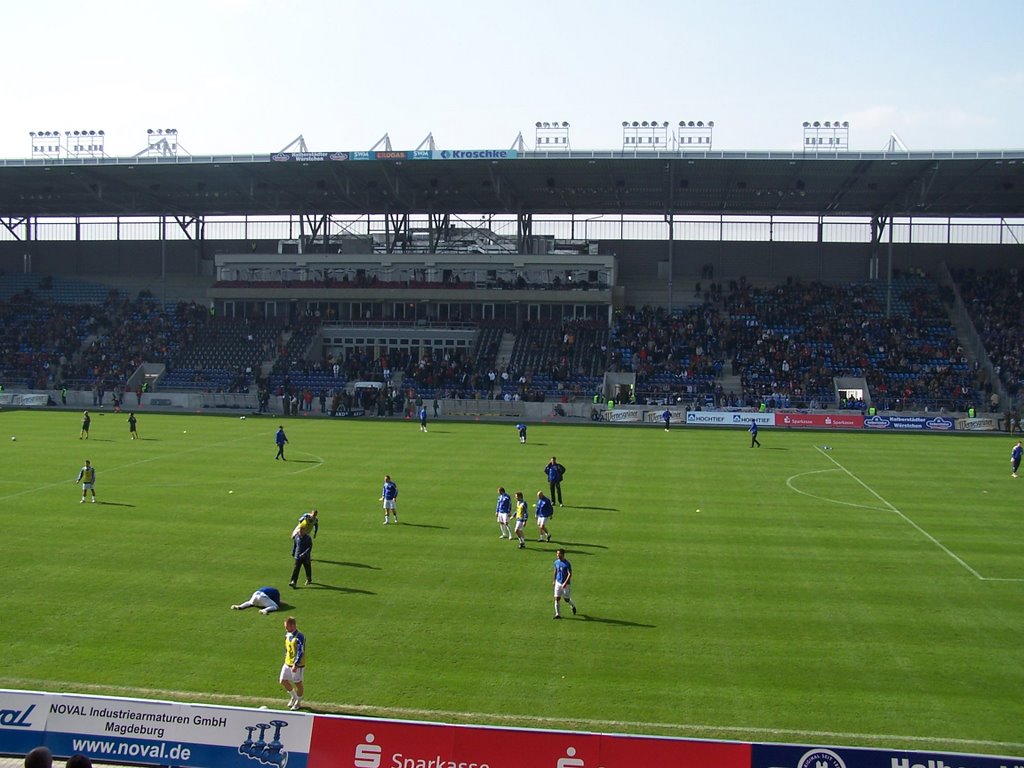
[[826, 136], [552, 136], [428, 143], [694, 135], [645, 136], [161, 142]]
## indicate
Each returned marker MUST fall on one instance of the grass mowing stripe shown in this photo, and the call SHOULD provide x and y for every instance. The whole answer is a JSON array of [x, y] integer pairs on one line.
[[714, 600]]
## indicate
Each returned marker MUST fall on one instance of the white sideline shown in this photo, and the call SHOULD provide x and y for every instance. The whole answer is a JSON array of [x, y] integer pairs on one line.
[[691, 730]]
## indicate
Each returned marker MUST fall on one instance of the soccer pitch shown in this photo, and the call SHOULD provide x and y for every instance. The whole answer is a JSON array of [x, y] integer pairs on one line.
[[871, 593]]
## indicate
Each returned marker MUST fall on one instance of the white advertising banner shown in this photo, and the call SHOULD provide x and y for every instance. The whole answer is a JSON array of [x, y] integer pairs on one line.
[[728, 419], [623, 414], [147, 732]]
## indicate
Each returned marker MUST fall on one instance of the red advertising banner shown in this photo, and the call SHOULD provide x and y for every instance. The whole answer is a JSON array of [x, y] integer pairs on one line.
[[820, 421], [339, 742]]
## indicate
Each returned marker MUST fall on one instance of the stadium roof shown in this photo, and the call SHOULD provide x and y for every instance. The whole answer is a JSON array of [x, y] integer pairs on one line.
[[935, 184]]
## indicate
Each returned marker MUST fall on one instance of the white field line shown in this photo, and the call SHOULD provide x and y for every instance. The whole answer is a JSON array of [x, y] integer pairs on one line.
[[789, 483], [697, 730], [910, 522]]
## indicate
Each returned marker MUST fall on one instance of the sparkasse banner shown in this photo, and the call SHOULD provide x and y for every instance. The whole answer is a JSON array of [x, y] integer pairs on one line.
[[820, 420], [360, 743]]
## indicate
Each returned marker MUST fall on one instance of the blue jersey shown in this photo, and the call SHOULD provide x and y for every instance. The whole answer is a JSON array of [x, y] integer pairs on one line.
[[544, 508], [280, 439], [753, 428], [423, 414], [272, 593], [563, 570], [522, 429], [504, 504], [1016, 454], [390, 491], [666, 416]]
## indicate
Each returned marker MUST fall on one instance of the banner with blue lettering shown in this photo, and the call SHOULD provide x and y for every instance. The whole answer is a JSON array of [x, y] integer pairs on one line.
[[144, 732], [919, 423], [794, 756]]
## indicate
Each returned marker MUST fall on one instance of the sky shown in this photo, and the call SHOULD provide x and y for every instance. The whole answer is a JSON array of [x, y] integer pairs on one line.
[[251, 76]]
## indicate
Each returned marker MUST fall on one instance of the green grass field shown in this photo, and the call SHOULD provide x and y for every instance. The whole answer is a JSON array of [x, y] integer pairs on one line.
[[872, 594]]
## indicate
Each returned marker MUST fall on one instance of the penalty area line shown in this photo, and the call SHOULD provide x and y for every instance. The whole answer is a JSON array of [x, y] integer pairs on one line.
[[906, 519]]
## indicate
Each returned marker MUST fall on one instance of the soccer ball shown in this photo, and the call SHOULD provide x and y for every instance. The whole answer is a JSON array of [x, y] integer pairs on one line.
[[13, 437], [242, 418]]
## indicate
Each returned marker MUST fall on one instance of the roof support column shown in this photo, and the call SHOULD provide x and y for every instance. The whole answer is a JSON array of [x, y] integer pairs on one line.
[[670, 220], [878, 227], [524, 232]]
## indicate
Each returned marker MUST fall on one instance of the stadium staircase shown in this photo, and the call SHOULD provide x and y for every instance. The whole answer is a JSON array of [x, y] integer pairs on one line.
[[508, 343]]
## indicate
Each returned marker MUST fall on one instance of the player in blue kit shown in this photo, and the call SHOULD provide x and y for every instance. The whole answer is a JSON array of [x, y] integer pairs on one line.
[[389, 495], [501, 513], [543, 510], [1015, 457], [522, 432], [423, 418], [753, 434], [267, 598], [666, 416], [561, 581]]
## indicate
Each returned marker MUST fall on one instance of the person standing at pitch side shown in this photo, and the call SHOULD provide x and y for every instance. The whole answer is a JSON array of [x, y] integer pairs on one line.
[[302, 552], [555, 472], [280, 439], [292, 672], [560, 580], [87, 477]]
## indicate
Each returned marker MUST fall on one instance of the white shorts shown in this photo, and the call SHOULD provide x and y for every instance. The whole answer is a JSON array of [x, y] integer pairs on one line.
[[561, 591], [262, 600], [520, 524], [87, 486], [389, 503], [291, 677], [542, 522], [503, 518]]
